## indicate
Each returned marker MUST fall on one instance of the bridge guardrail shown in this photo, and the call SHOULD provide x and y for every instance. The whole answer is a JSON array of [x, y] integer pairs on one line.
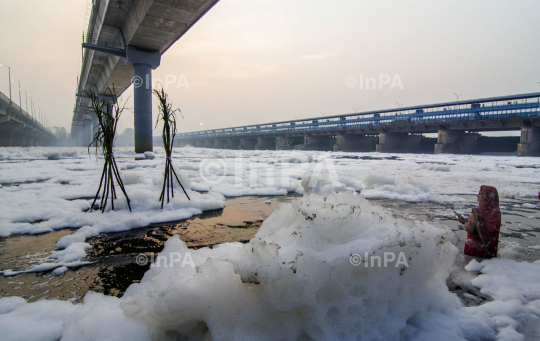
[[528, 107]]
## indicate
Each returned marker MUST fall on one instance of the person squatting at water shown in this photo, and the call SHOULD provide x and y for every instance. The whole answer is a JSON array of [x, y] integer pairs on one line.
[[483, 225]]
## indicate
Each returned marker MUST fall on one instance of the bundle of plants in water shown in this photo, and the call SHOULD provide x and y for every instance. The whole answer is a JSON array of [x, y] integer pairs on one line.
[[108, 113], [168, 116]]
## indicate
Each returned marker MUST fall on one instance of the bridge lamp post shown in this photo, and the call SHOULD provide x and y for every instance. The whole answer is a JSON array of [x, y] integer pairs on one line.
[[32, 107], [9, 75], [20, 105], [457, 99], [26, 98]]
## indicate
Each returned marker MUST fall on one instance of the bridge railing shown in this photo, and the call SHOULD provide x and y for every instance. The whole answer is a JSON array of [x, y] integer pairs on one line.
[[527, 107], [27, 118]]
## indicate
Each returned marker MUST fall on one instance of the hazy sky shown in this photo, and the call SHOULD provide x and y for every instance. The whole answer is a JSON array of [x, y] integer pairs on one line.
[[250, 61]]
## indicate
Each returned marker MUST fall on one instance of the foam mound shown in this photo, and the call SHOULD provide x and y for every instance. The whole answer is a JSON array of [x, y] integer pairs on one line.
[[300, 279]]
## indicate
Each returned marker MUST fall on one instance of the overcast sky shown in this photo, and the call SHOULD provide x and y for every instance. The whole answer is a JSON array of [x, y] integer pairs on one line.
[[257, 61]]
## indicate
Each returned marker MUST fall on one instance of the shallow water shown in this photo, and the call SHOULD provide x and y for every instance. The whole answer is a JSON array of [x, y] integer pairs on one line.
[[519, 225], [114, 254]]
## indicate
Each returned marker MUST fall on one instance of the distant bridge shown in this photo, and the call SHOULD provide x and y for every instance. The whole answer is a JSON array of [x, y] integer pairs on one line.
[[124, 42], [20, 129], [393, 130]]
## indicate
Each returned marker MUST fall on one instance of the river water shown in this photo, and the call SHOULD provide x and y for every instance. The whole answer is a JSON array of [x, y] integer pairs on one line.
[[114, 265]]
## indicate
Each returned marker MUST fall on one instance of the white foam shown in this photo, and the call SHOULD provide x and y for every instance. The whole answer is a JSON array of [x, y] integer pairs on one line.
[[40, 320], [474, 266]]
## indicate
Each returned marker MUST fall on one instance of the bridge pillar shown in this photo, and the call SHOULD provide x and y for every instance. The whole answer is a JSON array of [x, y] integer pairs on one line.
[[29, 139], [6, 136], [266, 143], [247, 143], [529, 143], [197, 143], [143, 63], [20, 137], [456, 142], [181, 143], [95, 127], [322, 143], [355, 143], [398, 143], [208, 143], [86, 133], [288, 142], [76, 136], [219, 143], [232, 143]]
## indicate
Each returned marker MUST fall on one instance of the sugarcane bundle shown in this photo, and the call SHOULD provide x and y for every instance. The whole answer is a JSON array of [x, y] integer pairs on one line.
[[168, 116], [108, 112]]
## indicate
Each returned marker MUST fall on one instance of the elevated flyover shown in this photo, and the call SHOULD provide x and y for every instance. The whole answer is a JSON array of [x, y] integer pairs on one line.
[[391, 130], [123, 43], [19, 129]]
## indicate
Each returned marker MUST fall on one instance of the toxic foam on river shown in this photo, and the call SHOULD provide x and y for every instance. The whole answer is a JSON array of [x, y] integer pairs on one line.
[[295, 281]]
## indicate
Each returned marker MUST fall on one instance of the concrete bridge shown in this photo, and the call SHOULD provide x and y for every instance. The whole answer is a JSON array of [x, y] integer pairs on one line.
[[123, 43], [20, 129], [395, 130]]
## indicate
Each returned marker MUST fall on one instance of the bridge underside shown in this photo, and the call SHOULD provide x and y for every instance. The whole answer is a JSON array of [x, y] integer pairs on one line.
[[123, 44], [453, 137]]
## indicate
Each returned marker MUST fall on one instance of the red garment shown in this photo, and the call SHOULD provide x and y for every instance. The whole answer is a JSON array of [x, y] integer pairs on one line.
[[489, 217]]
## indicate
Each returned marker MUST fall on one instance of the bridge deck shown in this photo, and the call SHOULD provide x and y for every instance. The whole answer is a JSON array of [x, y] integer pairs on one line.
[[16, 122], [150, 26], [499, 113]]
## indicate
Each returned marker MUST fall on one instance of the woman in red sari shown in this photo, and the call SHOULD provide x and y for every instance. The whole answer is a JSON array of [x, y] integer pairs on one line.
[[483, 225]]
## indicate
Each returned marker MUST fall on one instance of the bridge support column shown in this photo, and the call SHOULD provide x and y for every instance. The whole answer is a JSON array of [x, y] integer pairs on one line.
[[6, 137], [248, 143], [208, 143], [529, 143], [398, 143], [219, 143], [266, 143], [355, 143], [288, 142], [29, 139], [182, 143], [456, 142], [95, 127], [231, 143], [197, 143], [143, 63], [322, 143], [86, 133], [20, 137], [77, 136]]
